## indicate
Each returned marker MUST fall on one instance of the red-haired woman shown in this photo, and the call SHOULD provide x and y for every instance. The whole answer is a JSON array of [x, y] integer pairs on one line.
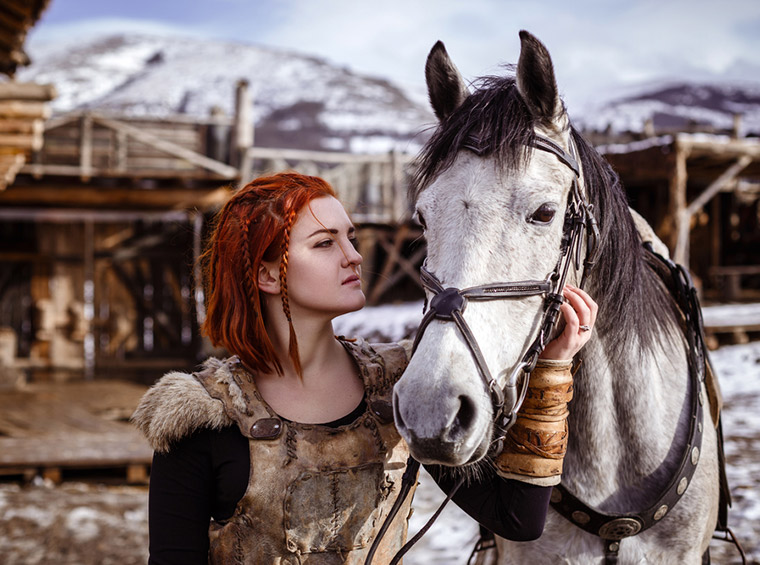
[[286, 452]]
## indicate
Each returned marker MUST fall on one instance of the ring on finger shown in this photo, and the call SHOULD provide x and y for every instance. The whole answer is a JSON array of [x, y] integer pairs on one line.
[[585, 328]]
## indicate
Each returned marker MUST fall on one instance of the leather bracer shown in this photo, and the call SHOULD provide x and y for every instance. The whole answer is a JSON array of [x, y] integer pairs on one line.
[[536, 444]]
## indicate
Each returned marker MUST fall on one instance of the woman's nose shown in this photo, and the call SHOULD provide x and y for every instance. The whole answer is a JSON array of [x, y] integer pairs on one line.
[[353, 257]]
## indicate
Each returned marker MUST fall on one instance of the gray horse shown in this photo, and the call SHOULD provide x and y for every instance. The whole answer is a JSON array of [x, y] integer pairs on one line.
[[492, 207]]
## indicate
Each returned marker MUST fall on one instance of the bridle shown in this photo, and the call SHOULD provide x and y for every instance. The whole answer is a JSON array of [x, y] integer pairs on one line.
[[448, 304]]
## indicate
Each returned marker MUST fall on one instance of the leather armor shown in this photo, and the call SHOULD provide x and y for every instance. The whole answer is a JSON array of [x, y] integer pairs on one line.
[[316, 495]]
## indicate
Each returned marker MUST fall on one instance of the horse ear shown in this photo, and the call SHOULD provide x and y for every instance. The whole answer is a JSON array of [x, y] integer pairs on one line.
[[535, 80], [445, 85]]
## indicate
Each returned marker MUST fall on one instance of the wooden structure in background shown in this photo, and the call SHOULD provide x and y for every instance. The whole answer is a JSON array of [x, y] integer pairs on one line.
[[102, 228], [700, 192]]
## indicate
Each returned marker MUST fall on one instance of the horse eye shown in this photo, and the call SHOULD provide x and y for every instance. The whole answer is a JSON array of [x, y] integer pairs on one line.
[[420, 219], [544, 215]]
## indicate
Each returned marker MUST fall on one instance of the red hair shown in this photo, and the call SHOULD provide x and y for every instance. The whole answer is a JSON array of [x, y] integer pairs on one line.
[[253, 226]]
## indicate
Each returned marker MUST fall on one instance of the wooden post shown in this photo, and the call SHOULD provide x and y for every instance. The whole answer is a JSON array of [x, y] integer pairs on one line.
[[89, 299], [85, 148], [715, 232], [736, 131], [243, 136], [649, 130], [679, 235], [400, 207], [121, 150], [200, 301]]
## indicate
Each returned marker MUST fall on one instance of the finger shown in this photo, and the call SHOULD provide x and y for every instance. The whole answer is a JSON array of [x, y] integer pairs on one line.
[[572, 321], [590, 302], [580, 306]]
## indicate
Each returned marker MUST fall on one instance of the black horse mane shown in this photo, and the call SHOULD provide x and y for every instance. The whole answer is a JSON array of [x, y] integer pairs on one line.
[[630, 294]]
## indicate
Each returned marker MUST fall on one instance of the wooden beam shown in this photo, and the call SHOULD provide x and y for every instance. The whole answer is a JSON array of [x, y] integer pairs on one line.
[[716, 186], [88, 197], [171, 148], [85, 148], [38, 170], [678, 234], [30, 91], [391, 259], [269, 153], [24, 109]]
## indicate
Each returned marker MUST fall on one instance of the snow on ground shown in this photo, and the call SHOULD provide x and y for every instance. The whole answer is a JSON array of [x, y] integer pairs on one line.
[[85, 524]]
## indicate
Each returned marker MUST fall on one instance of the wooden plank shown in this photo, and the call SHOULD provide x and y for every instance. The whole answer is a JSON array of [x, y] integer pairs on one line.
[[718, 184], [24, 109], [27, 91], [22, 141], [28, 126], [98, 196], [66, 170], [323, 156]]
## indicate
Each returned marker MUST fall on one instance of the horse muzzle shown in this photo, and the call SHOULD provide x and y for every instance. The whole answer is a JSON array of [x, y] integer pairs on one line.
[[450, 431]]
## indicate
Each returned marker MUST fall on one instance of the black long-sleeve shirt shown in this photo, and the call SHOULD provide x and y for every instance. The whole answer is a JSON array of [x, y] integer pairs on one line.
[[206, 474]]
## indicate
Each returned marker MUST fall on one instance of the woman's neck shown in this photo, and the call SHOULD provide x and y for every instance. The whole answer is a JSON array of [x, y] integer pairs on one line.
[[316, 343]]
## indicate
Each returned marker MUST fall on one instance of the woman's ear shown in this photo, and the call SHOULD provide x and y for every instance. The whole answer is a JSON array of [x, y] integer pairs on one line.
[[269, 277]]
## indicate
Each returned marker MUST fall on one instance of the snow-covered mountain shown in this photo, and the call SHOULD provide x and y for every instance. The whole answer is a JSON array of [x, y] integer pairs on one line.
[[678, 106], [298, 100]]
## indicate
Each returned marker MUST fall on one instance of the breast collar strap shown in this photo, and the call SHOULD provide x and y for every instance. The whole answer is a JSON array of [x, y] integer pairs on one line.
[[448, 304], [613, 527]]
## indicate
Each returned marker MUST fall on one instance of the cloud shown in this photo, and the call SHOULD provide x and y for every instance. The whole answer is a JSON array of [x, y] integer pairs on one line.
[[596, 46]]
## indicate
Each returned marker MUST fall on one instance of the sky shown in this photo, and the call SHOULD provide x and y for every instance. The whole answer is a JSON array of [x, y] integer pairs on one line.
[[597, 45]]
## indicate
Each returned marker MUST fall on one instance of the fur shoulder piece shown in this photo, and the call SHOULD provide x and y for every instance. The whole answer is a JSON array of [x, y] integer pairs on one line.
[[177, 405]]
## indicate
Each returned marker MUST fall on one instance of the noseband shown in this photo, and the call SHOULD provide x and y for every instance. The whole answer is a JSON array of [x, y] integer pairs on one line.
[[448, 304]]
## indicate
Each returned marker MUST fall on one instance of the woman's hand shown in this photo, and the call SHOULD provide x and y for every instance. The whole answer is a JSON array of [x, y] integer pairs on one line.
[[579, 312]]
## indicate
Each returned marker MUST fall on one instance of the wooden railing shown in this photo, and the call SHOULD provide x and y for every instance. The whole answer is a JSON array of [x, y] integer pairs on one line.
[[89, 145]]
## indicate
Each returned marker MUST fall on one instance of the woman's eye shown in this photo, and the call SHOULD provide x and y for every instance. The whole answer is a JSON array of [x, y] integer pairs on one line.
[[324, 243], [544, 215], [354, 241]]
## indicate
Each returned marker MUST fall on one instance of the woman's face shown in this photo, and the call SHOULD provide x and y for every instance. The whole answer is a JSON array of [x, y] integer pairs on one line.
[[324, 273]]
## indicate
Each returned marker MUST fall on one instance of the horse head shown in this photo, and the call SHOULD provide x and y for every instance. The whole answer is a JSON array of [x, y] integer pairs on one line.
[[493, 209]]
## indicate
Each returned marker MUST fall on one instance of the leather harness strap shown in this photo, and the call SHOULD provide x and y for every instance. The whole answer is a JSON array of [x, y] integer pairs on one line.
[[613, 527]]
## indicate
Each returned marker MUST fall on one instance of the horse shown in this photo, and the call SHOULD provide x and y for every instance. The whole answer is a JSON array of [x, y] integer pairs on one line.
[[493, 184]]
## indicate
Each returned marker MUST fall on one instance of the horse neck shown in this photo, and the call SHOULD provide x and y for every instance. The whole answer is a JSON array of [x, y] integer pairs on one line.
[[628, 408]]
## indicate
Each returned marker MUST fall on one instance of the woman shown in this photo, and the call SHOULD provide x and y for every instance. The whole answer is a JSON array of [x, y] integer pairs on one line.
[[286, 452]]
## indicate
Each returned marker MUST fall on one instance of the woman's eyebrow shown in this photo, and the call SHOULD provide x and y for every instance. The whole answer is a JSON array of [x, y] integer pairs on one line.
[[324, 230], [332, 231]]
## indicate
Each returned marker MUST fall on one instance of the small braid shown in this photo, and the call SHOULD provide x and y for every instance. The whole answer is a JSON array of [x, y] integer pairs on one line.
[[284, 265], [293, 343], [249, 274]]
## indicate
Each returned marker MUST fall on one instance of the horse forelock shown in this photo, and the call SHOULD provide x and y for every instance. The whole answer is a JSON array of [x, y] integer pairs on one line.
[[495, 116]]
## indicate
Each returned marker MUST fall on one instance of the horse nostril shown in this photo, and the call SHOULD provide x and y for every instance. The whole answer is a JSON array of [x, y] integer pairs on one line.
[[464, 418]]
